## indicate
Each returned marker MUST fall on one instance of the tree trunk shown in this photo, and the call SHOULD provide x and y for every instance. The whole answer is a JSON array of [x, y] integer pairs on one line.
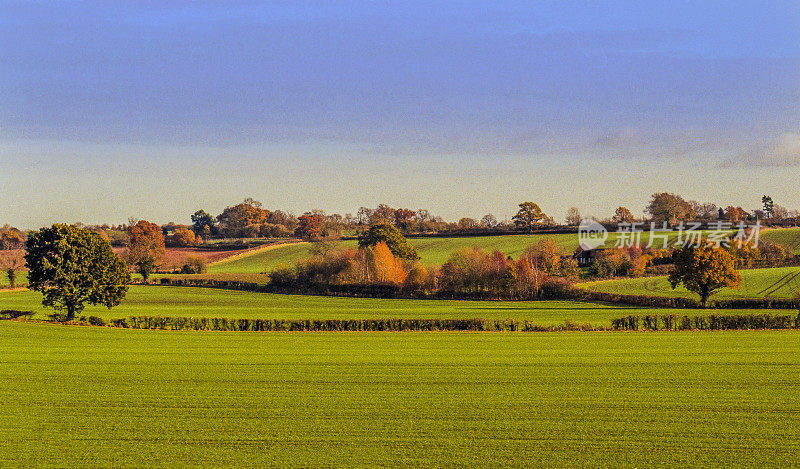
[[70, 311]]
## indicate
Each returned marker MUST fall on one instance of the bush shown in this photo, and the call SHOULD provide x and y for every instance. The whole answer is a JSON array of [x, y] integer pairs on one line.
[[194, 265], [271, 230], [96, 321], [14, 314]]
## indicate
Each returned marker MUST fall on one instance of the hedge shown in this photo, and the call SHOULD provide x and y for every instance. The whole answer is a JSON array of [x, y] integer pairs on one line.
[[712, 322], [680, 302], [341, 325]]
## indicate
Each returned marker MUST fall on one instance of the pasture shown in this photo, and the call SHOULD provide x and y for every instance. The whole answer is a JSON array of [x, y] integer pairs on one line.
[[85, 396], [778, 282], [231, 304], [432, 250], [789, 237]]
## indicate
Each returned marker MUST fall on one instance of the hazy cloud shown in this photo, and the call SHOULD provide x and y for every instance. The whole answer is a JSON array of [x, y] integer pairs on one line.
[[780, 152]]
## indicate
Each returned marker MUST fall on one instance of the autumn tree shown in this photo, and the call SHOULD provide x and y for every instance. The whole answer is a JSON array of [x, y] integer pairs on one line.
[[622, 215], [11, 238], [182, 237], [394, 240], [467, 223], [573, 217], [665, 206], [234, 221], [404, 218], [385, 267], [735, 214], [73, 266], [704, 270], [383, 214], [146, 247], [546, 255], [310, 225], [529, 216]]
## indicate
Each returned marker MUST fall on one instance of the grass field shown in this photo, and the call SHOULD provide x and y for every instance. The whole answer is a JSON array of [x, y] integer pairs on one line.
[[208, 302], [789, 237], [84, 396], [779, 282], [432, 250]]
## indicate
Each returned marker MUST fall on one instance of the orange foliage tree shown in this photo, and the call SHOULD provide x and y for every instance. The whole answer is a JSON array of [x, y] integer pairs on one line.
[[146, 247], [234, 221], [704, 270]]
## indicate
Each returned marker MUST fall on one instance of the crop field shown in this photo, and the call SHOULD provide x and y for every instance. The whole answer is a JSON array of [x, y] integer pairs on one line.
[[779, 282], [209, 302], [265, 259], [433, 250], [85, 396]]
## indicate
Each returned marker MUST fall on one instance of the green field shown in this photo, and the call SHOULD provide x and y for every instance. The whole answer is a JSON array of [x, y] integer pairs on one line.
[[84, 396], [789, 237], [22, 278], [433, 250], [231, 304], [779, 282]]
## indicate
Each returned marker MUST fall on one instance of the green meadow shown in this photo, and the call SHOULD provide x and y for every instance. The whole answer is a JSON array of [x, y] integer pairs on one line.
[[432, 250], [779, 282], [789, 237], [231, 304], [84, 396]]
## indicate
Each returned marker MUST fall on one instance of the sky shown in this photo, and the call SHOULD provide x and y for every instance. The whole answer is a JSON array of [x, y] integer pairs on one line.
[[155, 109]]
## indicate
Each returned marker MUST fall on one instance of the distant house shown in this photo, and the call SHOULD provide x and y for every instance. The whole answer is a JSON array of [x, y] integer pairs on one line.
[[586, 256]]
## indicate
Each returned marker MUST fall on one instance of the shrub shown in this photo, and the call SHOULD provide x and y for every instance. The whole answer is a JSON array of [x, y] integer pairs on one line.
[[194, 265], [272, 230], [96, 321]]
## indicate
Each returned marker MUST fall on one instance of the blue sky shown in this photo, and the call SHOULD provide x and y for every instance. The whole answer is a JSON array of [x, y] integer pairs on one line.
[[156, 109]]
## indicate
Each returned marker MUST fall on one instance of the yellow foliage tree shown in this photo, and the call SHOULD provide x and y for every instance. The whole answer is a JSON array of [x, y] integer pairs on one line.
[[385, 267]]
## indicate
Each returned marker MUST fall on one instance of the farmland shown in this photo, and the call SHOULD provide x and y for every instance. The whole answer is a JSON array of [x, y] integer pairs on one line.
[[780, 282], [789, 237], [208, 302], [432, 250], [83, 396]]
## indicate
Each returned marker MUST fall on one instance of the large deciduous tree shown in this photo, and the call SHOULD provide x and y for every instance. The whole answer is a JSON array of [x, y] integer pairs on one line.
[[146, 247], [404, 218], [203, 223], [73, 266], [665, 206], [394, 240], [11, 238], [234, 221], [704, 270], [573, 216], [622, 215], [529, 216], [310, 225]]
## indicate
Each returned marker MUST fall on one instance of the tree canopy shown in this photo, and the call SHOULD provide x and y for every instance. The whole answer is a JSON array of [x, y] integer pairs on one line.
[[622, 215], [310, 225], [704, 270], [72, 266], [394, 240], [665, 206], [529, 216], [146, 249]]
